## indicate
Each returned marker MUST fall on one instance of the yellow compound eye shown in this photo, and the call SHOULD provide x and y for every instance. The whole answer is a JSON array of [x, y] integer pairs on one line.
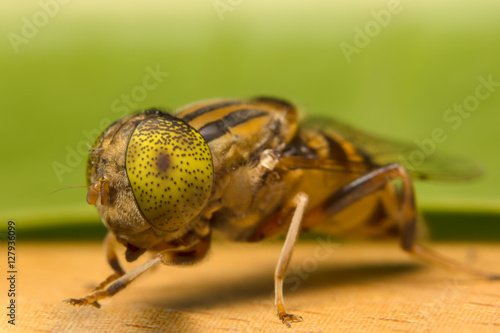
[[169, 166]]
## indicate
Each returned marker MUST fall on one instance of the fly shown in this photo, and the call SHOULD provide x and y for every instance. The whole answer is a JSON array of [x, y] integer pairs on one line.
[[247, 169]]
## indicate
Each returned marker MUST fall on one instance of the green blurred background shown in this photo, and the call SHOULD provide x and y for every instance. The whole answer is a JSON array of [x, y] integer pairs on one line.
[[66, 67]]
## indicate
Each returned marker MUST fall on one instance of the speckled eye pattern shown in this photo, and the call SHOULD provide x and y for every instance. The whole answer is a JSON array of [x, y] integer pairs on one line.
[[169, 166]]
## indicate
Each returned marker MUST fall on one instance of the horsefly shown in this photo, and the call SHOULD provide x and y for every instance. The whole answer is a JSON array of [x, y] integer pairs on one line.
[[249, 170]]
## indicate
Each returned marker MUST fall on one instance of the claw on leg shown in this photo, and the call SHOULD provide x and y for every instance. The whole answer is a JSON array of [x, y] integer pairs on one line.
[[287, 318], [94, 297], [87, 300]]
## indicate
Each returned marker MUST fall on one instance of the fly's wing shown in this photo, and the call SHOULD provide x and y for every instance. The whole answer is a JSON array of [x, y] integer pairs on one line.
[[380, 151]]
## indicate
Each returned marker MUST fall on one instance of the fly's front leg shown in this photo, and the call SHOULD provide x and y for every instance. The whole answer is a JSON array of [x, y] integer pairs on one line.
[[300, 203], [94, 297], [109, 248], [372, 182], [112, 258], [166, 257]]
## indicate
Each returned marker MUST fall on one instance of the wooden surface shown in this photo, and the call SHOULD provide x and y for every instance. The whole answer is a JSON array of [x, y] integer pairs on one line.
[[347, 288]]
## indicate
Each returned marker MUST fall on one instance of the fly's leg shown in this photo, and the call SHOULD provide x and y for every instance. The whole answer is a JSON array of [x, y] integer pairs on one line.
[[409, 242], [372, 182], [300, 203], [428, 255], [113, 261], [166, 257], [94, 297]]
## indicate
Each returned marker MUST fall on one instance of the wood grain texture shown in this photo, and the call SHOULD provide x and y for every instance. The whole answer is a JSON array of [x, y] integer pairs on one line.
[[343, 287]]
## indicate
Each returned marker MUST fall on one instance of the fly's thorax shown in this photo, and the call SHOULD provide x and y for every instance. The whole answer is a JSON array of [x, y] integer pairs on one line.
[[150, 175], [237, 131]]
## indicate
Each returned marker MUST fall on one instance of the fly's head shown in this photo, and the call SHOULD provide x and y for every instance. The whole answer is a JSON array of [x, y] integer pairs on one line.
[[150, 175]]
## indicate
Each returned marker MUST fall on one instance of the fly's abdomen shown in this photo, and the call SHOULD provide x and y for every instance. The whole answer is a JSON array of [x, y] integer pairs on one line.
[[373, 216]]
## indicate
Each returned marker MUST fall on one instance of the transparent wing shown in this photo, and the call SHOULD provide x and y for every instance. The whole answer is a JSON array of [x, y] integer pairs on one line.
[[380, 151]]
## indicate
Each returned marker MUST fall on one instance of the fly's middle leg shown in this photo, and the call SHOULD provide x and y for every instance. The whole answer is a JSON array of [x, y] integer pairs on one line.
[[299, 202]]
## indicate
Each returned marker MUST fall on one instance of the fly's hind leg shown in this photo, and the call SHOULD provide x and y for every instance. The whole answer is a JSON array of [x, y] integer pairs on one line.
[[374, 181], [300, 203], [409, 224]]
